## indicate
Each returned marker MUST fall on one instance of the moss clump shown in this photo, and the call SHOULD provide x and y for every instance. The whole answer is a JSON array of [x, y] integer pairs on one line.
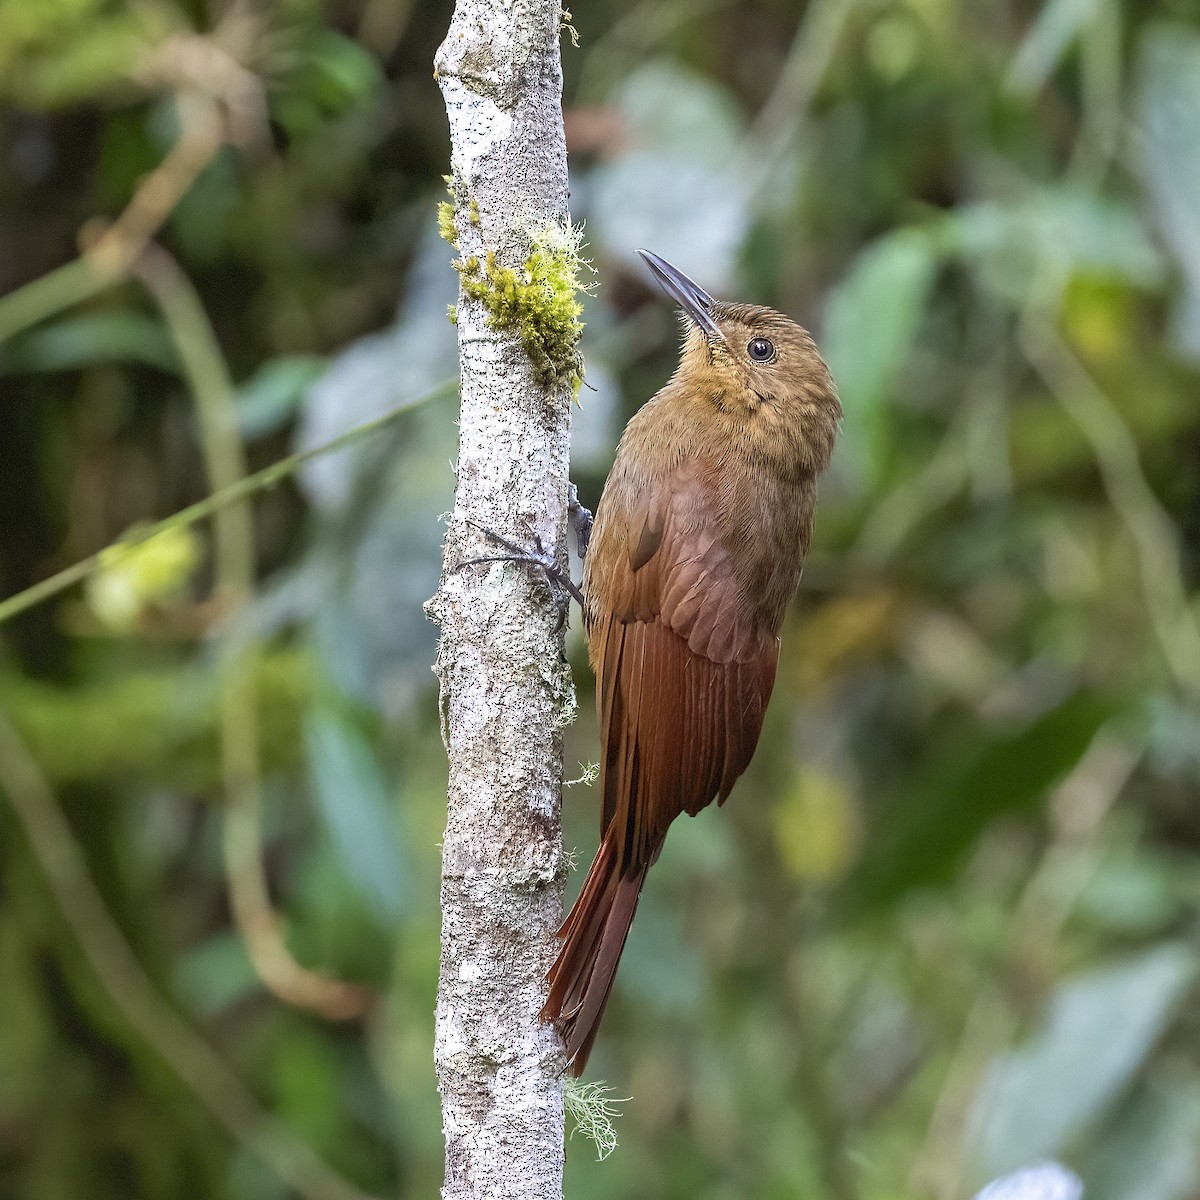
[[540, 302], [473, 212], [452, 313], [446, 226]]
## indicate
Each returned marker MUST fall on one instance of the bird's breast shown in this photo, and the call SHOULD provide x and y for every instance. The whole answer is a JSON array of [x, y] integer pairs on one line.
[[766, 521], [709, 510]]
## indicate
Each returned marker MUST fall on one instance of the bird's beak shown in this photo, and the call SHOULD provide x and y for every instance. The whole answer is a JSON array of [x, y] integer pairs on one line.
[[690, 296]]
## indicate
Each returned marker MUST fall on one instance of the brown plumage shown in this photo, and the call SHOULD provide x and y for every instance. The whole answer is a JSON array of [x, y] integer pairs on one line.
[[697, 550]]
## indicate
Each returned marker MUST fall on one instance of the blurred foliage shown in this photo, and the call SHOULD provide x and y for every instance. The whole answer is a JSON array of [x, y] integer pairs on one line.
[[948, 923]]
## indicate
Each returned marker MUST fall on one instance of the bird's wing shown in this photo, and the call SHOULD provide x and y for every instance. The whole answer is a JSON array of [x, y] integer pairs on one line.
[[683, 671]]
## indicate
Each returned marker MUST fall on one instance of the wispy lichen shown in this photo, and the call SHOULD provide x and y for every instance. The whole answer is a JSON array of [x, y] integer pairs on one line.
[[540, 302], [592, 1112], [566, 24], [590, 772]]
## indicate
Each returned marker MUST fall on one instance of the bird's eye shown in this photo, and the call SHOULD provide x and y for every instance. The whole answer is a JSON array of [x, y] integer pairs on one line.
[[761, 350]]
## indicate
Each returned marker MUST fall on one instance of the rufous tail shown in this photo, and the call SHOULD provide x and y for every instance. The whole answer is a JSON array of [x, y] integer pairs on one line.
[[593, 937]]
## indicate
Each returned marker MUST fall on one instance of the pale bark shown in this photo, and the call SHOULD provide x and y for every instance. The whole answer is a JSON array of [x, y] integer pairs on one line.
[[506, 691]]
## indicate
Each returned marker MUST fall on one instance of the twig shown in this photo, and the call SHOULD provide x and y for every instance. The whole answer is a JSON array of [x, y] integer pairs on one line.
[[111, 253], [249, 485], [211, 64], [62, 288], [201, 135], [1100, 117], [216, 100], [192, 1060], [225, 459]]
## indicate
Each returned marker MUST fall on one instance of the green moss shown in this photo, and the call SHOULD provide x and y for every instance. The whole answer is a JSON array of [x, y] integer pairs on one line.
[[540, 302], [473, 212], [446, 226], [452, 313]]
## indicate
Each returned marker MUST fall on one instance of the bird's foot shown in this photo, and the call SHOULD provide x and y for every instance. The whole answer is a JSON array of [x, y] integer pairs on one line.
[[537, 557]]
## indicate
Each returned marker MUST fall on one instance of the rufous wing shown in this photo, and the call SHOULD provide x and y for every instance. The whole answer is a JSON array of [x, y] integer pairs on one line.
[[683, 675], [683, 671]]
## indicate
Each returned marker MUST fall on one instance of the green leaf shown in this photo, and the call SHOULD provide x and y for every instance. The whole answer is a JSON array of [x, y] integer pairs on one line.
[[1087, 233], [1131, 894], [343, 72], [1173, 733], [689, 116], [1098, 1030], [925, 836], [200, 221], [307, 1081], [355, 801], [76, 342], [332, 74], [215, 975], [1058, 24], [871, 323], [1152, 1151], [272, 395], [59, 52]]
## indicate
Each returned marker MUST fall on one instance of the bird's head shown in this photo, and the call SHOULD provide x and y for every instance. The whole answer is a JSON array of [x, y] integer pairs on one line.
[[750, 361]]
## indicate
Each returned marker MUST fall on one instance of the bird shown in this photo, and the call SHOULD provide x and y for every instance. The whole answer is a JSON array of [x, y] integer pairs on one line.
[[695, 554]]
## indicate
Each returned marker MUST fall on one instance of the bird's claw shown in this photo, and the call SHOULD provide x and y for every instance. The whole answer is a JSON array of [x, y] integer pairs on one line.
[[536, 557]]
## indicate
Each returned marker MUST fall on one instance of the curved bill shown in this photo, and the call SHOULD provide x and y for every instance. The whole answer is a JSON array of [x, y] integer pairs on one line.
[[690, 296]]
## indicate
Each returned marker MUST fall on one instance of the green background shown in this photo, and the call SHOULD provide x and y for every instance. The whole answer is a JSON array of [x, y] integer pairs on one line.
[[947, 924]]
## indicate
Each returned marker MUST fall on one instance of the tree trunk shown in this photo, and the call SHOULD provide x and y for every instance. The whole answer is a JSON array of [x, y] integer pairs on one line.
[[506, 690]]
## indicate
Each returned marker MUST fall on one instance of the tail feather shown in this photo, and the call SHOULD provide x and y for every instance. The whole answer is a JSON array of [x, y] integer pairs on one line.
[[593, 936]]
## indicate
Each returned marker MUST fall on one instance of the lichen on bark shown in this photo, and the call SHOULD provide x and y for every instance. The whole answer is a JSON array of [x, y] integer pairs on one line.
[[500, 659]]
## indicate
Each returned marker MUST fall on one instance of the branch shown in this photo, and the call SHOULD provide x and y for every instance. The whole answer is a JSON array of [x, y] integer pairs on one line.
[[242, 489], [506, 690], [114, 250], [225, 458]]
